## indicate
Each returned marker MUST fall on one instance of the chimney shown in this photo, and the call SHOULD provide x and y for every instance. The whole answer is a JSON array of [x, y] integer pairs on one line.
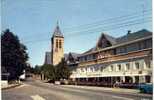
[[129, 32]]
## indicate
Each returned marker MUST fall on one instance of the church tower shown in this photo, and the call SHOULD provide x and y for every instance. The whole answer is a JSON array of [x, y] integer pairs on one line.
[[57, 46]]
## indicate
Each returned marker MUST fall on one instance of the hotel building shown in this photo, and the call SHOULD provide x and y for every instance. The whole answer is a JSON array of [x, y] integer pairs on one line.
[[125, 59]]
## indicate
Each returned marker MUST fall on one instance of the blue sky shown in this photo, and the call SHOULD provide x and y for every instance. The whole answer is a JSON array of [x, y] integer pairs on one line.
[[81, 22]]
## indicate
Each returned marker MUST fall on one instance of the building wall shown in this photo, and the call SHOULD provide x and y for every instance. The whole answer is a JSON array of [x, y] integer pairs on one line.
[[112, 70], [138, 56], [57, 51]]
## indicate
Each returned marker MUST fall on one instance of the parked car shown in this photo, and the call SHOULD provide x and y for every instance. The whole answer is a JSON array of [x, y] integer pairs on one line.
[[57, 82], [128, 85], [146, 88], [22, 77]]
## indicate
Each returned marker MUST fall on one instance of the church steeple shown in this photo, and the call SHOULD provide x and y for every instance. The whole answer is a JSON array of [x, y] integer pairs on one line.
[[57, 46], [57, 31]]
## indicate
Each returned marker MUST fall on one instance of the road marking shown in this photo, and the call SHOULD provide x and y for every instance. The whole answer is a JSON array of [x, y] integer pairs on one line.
[[124, 98], [37, 97]]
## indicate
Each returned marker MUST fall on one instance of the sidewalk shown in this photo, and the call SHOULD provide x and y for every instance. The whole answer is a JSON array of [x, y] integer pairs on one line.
[[121, 90], [104, 88], [134, 92], [10, 86]]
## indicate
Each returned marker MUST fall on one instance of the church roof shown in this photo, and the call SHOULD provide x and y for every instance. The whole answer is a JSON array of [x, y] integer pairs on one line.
[[47, 58], [57, 32]]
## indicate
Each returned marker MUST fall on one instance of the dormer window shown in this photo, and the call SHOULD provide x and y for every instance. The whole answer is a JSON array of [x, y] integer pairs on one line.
[[103, 42]]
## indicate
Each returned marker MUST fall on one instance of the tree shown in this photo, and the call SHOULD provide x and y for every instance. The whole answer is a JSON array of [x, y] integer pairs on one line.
[[37, 70], [14, 55], [55, 73], [62, 70], [49, 71]]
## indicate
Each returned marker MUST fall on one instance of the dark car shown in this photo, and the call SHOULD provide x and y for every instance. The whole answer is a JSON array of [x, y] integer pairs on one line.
[[146, 88]]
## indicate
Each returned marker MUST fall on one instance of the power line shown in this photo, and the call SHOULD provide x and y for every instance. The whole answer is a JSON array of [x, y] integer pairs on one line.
[[113, 28], [116, 26], [95, 28], [101, 22], [106, 25], [135, 14]]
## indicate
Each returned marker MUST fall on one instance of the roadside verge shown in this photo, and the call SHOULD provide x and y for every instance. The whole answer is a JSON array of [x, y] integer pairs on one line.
[[11, 86]]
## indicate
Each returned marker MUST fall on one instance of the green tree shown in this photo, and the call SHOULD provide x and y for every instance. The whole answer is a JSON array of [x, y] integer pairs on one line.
[[37, 70], [55, 73], [13, 54], [62, 70], [49, 71]]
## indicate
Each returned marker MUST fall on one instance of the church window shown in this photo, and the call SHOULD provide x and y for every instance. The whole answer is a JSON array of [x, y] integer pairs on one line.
[[57, 43], [60, 44]]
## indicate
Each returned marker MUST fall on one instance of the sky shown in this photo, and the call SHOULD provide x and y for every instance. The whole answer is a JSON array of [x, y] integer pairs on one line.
[[81, 22]]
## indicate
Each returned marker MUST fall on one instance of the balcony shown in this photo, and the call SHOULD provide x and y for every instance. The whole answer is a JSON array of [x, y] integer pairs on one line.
[[124, 56]]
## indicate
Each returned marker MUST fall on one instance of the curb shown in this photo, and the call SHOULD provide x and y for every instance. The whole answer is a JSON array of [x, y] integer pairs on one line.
[[9, 87], [134, 92]]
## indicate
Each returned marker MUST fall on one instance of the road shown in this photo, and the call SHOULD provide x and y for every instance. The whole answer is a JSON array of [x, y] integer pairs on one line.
[[36, 90]]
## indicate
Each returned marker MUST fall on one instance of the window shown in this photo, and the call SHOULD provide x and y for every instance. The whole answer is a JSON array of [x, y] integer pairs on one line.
[[96, 68], [85, 58], [56, 43], [88, 57], [102, 69], [111, 68], [148, 79], [82, 70], [151, 62], [148, 63], [137, 65], [127, 66], [60, 44], [86, 69], [114, 51], [119, 68], [94, 56], [91, 69], [142, 45]]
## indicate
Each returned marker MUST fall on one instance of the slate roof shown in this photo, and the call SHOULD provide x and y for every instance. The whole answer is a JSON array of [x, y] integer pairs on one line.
[[126, 38], [111, 39], [133, 36], [74, 55], [71, 59], [47, 58], [57, 32]]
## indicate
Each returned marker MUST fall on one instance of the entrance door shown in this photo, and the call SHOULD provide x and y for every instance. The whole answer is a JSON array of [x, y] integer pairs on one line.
[[128, 79]]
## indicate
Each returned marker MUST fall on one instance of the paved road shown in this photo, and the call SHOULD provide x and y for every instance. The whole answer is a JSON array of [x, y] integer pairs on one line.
[[36, 90]]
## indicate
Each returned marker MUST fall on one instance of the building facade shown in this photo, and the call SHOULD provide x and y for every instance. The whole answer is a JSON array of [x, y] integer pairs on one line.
[[125, 59]]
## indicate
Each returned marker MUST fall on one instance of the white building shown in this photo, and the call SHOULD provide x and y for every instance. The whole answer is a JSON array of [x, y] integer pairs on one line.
[[125, 59]]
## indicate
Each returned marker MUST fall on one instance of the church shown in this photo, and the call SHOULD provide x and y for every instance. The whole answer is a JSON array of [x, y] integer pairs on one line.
[[57, 48], [56, 54]]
